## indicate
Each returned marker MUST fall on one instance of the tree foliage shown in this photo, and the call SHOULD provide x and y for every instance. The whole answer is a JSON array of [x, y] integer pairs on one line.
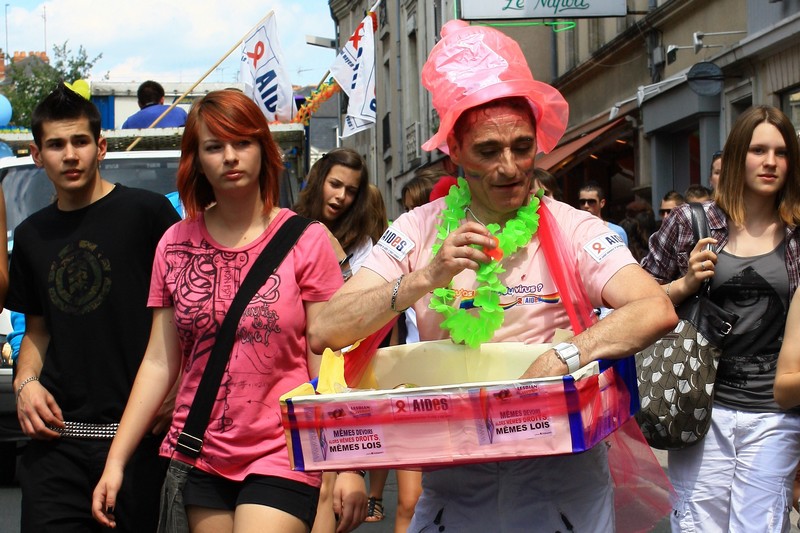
[[30, 80]]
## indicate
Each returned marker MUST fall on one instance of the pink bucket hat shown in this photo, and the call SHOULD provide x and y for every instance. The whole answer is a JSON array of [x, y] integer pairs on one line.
[[473, 65]]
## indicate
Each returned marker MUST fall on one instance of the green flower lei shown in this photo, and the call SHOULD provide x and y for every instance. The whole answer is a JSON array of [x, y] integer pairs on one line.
[[463, 326]]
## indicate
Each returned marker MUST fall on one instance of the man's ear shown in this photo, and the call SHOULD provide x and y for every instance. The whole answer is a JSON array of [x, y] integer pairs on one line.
[[102, 147], [602, 203], [36, 155], [455, 149]]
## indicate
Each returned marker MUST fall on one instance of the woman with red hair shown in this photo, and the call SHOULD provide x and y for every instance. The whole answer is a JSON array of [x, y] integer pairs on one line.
[[228, 183]]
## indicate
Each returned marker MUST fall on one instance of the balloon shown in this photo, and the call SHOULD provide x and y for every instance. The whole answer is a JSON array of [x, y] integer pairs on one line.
[[5, 111], [81, 87]]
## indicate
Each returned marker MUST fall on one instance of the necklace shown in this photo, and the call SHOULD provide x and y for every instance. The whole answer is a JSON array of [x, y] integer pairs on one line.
[[473, 215], [463, 326]]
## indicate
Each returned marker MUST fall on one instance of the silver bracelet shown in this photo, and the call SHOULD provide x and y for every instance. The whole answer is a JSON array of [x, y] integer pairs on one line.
[[25, 382], [669, 286], [395, 290]]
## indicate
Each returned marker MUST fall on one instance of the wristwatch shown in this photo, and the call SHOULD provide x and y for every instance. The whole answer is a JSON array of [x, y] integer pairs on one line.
[[570, 354]]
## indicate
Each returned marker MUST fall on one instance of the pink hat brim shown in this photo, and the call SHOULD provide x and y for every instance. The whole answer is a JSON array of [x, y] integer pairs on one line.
[[550, 110]]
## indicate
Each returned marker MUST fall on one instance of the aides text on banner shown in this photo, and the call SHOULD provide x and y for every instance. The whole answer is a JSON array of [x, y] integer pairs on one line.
[[263, 73]]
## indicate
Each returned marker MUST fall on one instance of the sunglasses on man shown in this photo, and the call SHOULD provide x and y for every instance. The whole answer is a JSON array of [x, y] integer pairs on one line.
[[587, 201], [664, 212]]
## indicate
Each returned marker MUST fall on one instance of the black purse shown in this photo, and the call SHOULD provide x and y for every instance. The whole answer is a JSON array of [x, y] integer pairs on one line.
[[676, 374]]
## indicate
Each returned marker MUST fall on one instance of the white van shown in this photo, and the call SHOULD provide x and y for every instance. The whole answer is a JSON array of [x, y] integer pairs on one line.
[[27, 190]]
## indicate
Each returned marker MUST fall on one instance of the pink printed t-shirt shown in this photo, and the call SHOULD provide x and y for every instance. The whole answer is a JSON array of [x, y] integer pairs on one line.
[[198, 278], [532, 304]]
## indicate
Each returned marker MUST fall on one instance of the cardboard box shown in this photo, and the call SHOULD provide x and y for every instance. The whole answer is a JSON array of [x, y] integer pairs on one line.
[[454, 405]]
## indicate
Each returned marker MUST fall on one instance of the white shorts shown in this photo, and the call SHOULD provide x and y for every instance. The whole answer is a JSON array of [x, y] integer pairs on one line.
[[739, 477], [560, 493]]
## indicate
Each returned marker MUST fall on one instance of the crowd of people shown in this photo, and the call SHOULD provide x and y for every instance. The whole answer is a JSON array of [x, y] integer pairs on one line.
[[152, 291]]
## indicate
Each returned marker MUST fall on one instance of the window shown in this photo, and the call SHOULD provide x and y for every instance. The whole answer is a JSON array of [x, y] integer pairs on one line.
[[387, 132], [595, 35], [438, 18], [570, 49], [790, 104]]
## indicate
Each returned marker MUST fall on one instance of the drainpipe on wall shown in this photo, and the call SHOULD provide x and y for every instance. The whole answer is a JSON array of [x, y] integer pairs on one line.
[[401, 156]]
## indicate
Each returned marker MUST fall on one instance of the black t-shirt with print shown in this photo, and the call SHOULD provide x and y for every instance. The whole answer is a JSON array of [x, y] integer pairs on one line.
[[87, 273]]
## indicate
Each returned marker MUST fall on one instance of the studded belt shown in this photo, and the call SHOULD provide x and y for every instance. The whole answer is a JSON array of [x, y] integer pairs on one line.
[[86, 430]]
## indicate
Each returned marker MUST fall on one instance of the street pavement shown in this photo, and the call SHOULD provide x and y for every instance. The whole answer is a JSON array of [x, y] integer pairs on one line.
[[10, 502], [390, 506]]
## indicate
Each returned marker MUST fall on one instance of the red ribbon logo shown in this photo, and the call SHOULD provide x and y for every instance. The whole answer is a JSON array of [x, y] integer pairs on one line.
[[257, 53]]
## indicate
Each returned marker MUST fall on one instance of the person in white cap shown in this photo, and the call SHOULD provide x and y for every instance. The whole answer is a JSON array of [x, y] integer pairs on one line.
[[495, 118]]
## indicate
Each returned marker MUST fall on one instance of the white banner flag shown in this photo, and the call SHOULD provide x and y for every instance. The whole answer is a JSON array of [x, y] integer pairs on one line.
[[354, 71], [263, 74]]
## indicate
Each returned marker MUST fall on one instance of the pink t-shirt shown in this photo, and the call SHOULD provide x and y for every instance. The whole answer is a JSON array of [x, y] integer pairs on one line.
[[198, 278], [532, 304]]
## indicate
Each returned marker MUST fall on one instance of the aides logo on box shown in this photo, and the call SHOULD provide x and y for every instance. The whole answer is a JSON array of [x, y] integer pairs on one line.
[[427, 405]]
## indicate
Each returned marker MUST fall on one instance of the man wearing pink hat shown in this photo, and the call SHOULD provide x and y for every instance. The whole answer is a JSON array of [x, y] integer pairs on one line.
[[495, 118]]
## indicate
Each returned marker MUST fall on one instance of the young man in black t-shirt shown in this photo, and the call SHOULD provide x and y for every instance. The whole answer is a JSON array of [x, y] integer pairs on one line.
[[80, 272]]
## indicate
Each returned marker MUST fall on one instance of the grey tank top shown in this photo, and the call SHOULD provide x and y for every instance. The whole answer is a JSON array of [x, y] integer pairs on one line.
[[757, 289]]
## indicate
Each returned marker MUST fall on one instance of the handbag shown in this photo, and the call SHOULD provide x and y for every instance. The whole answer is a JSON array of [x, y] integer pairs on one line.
[[676, 374], [172, 514]]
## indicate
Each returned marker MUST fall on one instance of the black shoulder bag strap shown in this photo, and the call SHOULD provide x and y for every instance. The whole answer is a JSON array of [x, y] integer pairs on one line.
[[700, 230], [699, 222], [711, 320], [190, 441]]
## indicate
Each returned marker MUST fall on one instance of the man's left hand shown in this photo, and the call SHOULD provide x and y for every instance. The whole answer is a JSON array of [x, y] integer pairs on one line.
[[546, 365]]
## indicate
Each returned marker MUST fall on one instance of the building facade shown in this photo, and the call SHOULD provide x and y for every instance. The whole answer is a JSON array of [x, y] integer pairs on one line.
[[652, 92]]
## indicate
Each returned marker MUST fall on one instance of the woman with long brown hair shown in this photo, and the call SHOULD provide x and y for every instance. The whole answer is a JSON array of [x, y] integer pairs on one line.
[[739, 476], [336, 194]]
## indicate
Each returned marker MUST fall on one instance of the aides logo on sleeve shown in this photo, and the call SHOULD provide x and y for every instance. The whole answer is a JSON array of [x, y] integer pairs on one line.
[[396, 243], [599, 248]]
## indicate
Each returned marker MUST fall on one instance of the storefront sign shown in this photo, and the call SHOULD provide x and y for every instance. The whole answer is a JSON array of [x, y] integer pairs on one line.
[[541, 9]]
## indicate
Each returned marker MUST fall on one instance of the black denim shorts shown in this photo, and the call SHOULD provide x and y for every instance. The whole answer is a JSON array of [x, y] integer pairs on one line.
[[293, 497]]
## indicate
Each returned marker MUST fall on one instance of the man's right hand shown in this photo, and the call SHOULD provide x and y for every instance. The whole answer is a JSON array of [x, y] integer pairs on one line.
[[462, 249], [36, 410]]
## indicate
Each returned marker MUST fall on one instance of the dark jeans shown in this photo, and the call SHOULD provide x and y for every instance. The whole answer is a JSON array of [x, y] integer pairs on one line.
[[58, 477]]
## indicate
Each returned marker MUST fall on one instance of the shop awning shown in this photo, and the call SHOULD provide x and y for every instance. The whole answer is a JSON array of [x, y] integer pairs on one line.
[[560, 153]]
